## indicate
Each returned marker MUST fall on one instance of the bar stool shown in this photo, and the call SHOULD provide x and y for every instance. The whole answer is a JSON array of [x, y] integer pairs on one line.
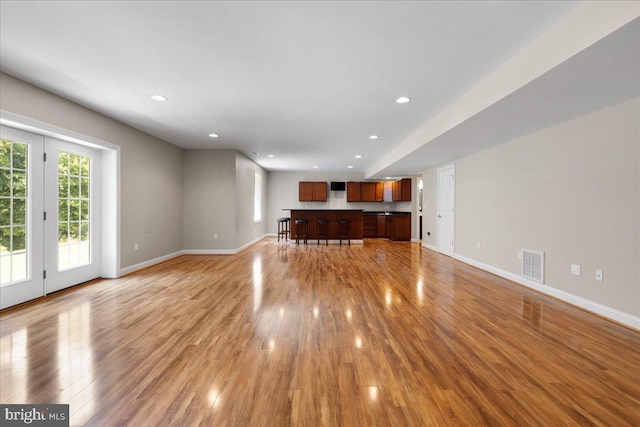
[[323, 230], [283, 228], [344, 231], [302, 228]]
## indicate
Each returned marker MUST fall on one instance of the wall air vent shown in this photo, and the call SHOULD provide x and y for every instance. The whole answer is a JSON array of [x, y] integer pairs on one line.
[[533, 265]]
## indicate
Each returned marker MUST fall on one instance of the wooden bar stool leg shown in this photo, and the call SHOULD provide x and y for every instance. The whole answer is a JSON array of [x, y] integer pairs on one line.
[[323, 230], [344, 231]]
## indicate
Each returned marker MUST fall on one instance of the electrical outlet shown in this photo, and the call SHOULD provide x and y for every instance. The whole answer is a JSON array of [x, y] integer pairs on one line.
[[478, 245], [215, 237], [135, 247], [599, 275], [519, 254], [575, 269]]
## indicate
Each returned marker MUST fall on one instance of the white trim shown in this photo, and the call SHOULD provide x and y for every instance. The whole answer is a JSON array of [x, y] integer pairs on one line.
[[251, 243], [8, 118], [149, 263], [414, 240], [594, 307], [223, 251], [209, 251], [428, 246]]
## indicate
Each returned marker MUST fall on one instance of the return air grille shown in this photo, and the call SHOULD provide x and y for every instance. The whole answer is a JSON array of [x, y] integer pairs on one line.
[[533, 265]]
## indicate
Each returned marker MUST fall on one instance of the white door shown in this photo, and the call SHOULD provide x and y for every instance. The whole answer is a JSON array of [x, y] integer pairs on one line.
[[446, 217], [21, 217], [73, 204]]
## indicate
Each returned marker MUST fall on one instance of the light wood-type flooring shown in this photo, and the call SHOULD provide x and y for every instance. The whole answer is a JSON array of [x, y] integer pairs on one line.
[[385, 333]]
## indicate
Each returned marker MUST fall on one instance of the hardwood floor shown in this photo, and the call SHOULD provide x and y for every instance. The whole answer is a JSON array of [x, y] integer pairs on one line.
[[380, 334]]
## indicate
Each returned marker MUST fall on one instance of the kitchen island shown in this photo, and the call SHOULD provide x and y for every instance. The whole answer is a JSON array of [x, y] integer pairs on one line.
[[391, 225], [331, 215]]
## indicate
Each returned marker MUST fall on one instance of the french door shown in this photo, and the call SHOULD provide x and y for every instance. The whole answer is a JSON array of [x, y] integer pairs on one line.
[[72, 231], [49, 215], [21, 217]]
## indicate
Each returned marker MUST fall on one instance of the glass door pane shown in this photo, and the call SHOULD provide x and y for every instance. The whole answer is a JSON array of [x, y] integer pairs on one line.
[[14, 205], [74, 213]]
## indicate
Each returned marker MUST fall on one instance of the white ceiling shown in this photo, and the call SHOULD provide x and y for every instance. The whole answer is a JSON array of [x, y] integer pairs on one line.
[[305, 81]]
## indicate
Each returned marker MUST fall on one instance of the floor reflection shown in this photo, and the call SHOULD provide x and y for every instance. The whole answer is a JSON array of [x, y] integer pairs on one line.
[[75, 362], [532, 311], [257, 284], [13, 364]]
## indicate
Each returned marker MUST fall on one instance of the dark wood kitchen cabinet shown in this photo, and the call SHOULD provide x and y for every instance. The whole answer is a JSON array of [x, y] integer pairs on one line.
[[353, 191], [383, 225], [368, 191], [402, 190], [369, 226], [312, 191], [365, 191], [379, 191], [400, 228]]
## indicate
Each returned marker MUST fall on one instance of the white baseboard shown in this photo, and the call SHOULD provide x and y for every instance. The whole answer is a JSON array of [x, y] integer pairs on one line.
[[415, 240], [251, 243], [149, 263], [594, 307], [428, 246], [223, 251], [209, 251]]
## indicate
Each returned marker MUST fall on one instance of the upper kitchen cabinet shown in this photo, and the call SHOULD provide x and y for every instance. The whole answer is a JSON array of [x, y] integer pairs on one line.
[[402, 190], [379, 191], [354, 191], [365, 191], [312, 191], [368, 191]]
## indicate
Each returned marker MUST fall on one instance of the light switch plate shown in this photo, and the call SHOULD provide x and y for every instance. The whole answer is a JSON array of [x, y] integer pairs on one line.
[[575, 269]]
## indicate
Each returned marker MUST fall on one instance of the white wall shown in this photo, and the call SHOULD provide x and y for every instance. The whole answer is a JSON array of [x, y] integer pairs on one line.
[[209, 199], [218, 200], [572, 191], [282, 191], [151, 169]]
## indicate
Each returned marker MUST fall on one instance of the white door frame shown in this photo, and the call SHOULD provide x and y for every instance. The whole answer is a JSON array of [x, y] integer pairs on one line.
[[451, 167], [110, 182]]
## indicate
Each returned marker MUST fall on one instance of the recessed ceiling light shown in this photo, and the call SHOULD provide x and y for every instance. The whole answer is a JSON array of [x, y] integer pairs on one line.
[[373, 137], [403, 100], [387, 177], [158, 98], [213, 135], [358, 156], [350, 167], [315, 167], [270, 155]]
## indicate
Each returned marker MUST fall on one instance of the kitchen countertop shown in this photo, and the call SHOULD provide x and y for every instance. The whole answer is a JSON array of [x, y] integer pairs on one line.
[[386, 213], [311, 209]]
